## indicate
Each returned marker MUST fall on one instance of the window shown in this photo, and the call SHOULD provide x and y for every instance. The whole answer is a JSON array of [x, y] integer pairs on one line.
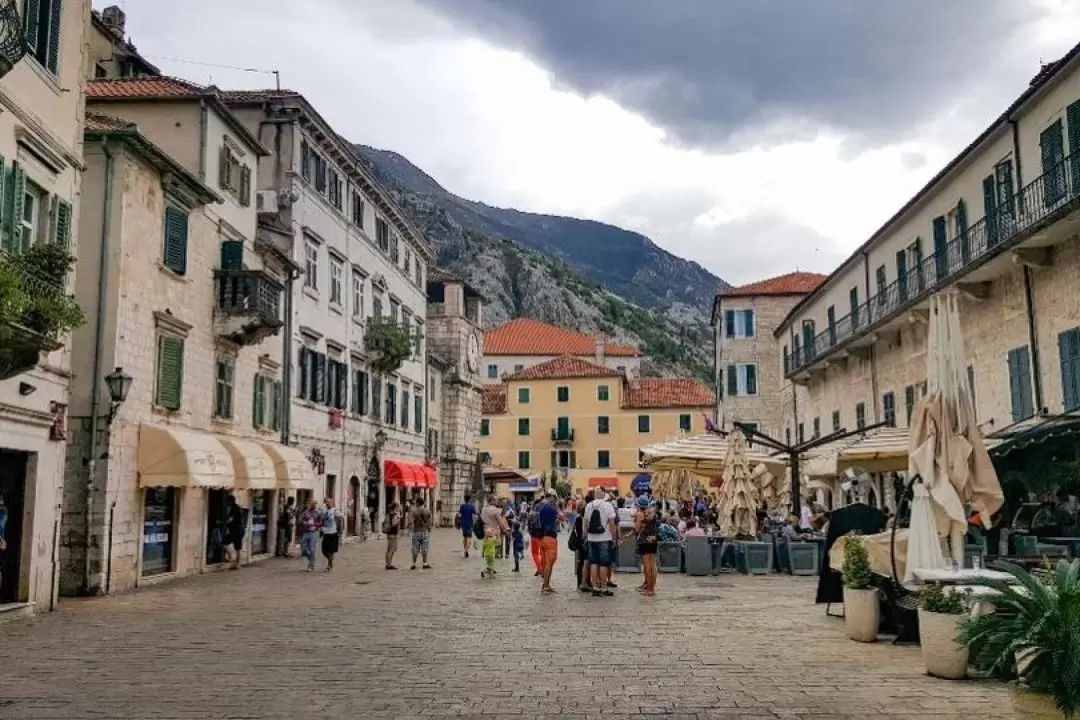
[[484, 458], [418, 340], [860, 415], [800, 434], [395, 308], [337, 274], [830, 323], [391, 404], [888, 404], [1052, 149], [42, 23], [406, 320], [523, 460], [311, 265], [644, 424], [407, 265], [174, 250], [382, 234], [562, 428], [1069, 353], [306, 160], [33, 211], [170, 372], [334, 189], [836, 421], [523, 396], [518, 367], [882, 281], [376, 308], [524, 427], [266, 403], [603, 393], [562, 393], [406, 398], [493, 371], [376, 396], [853, 301], [418, 410], [360, 392], [419, 271], [357, 296], [741, 379], [684, 422], [1019, 360], [909, 402], [564, 459], [395, 248], [233, 176], [485, 427], [603, 458], [739, 323], [817, 429], [603, 425], [223, 389], [357, 206]]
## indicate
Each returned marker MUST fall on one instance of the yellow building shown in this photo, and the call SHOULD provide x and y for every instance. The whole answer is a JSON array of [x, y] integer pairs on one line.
[[585, 420]]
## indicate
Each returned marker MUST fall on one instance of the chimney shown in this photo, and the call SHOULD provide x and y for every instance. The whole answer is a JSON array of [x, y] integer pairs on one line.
[[600, 347], [114, 19]]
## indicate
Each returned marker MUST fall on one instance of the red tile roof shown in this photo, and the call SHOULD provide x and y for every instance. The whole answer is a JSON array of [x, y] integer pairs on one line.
[[493, 399], [248, 96], [144, 87], [526, 336], [796, 283], [565, 367], [668, 393]]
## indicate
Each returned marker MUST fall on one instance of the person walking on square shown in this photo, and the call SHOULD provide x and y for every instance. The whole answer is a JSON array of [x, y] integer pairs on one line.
[[286, 521], [534, 538], [494, 528], [331, 521], [421, 532], [309, 533], [519, 545], [391, 527], [647, 528], [466, 520], [550, 518], [235, 525]]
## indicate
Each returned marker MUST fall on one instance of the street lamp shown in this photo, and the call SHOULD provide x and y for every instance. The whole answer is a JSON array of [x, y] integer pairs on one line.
[[119, 383]]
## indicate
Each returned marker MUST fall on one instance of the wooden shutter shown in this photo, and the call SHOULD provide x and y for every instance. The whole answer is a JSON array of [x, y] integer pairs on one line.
[[1069, 351], [909, 401], [245, 186], [1052, 150], [342, 389], [176, 239], [751, 379], [941, 248], [1020, 383], [902, 273], [275, 405], [1072, 117], [62, 224], [732, 381], [305, 369], [748, 318], [418, 413], [31, 19], [15, 206], [729, 323], [853, 300], [232, 255], [52, 59], [318, 382], [962, 231], [170, 372], [830, 319], [223, 167], [258, 402]]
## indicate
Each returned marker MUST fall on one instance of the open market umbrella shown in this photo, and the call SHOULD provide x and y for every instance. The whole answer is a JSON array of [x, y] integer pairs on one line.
[[946, 448], [739, 496]]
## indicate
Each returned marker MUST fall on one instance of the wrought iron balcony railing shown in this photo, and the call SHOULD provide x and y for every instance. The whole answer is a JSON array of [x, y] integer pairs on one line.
[[1052, 195], [562, 437], [252, 293]]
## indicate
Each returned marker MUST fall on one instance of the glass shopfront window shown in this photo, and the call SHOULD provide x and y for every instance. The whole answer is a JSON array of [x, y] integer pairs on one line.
[[159, 530], [217, 532], [261, 502]]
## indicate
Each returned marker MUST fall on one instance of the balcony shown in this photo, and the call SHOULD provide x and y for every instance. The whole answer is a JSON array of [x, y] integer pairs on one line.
[[1029, 217], [562, 437], [248, 305]]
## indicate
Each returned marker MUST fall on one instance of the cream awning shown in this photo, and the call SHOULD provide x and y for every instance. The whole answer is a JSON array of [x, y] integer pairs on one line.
[[179, 457], [254, 466], [704, 454], [885, 450], [292, 470]]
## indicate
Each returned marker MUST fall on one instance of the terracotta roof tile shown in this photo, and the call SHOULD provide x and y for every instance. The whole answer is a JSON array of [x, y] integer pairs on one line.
[[668, 393], [143, 87], [564, 367], [96, 122], [245, 96], [526, 336], [796, 283], [493, 399]]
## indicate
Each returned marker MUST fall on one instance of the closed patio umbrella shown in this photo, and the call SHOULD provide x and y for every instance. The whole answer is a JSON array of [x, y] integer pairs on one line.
[[739, 496]]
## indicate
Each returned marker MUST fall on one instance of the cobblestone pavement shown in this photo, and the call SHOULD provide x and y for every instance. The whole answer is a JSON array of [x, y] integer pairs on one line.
[[271, 641]]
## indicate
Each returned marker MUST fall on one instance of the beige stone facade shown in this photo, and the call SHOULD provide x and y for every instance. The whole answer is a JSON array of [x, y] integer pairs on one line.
[[998, 224], [41, 122]]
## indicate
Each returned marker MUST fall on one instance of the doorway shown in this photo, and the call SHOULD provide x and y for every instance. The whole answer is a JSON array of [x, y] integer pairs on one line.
[[13, 494], [352, 509], [216, 531], [260, 521], [159, 530]]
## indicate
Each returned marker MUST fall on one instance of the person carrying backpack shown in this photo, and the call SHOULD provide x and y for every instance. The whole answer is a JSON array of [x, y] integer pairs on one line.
[[599, 522]]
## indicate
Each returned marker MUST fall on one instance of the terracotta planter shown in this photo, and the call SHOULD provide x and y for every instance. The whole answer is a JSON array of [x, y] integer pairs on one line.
[[862, 614], [1029, 705], [944, 657]]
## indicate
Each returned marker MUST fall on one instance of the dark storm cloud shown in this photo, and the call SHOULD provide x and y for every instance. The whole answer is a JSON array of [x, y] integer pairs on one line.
[[708, 70]]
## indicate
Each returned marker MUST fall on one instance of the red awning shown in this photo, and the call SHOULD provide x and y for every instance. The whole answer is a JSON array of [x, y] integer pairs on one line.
[[401, 474], [429, 476], [603, 482]]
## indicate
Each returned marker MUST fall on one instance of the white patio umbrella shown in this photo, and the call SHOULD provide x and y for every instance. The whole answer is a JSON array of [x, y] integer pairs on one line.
[[739, 495], [946, 447]]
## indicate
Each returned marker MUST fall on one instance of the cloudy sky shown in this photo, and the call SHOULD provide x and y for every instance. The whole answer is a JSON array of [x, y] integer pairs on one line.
[[754, 136]]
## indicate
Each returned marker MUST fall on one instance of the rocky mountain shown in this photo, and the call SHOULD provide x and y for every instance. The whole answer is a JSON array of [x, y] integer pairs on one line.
[[586, 275]]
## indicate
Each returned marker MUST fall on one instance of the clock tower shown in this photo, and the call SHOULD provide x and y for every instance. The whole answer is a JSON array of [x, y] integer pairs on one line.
[[455, 342]]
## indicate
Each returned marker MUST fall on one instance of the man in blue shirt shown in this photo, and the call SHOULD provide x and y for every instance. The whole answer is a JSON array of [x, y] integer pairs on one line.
[[466, 519], [550, 517]]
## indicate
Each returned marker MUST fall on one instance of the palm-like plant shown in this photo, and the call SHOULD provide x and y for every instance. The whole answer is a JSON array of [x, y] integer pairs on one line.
[[1035, 624]]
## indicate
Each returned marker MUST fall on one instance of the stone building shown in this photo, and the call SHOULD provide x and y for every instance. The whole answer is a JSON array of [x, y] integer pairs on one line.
[[997, 224], [750, 385], [521, 343], [112, 55], [41, 124], [355, 378], [184, 301], [455, 338]]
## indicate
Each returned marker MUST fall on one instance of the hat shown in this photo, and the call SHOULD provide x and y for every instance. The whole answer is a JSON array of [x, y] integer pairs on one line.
[[643, 503]]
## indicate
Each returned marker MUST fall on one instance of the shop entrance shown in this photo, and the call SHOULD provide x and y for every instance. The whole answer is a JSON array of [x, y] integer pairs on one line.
[[352, 510], [216, 530], [12, 499], [261, 502], [159, 516]]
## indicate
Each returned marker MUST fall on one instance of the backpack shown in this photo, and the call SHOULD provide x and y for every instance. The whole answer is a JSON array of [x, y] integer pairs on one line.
[[478, 528], [596, 523], [574, 542], [535, 529]]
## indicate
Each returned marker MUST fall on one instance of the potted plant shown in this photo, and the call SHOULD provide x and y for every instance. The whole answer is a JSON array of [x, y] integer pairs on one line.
[[862, 610], [941, 611], [1032, 636]]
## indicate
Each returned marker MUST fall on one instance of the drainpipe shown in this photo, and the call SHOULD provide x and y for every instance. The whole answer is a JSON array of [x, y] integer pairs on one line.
[[204, 121], [286, 364], [1029, 288], [873, 346], [95, 377]]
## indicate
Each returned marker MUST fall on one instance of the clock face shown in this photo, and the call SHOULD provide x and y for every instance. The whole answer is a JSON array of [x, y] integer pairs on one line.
[[473, 353]]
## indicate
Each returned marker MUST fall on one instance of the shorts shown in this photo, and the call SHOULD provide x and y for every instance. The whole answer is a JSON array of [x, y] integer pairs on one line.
[[466, 531], [391, 543], [646, 548], [599, 553], [420, 542], [549, 550], [330, 543]]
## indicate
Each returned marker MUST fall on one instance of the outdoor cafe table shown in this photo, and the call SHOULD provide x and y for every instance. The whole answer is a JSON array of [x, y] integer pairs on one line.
[[963, 576]]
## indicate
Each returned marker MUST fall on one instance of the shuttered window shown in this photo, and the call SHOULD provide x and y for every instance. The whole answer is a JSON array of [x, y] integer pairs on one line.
[[860, 415], [42, 25], [174, 253], [835, 421], [418, 411], [524, 427], [391, 404], [258, 402], [1069, 351], [360, 392], [223, 389], [62, 223], [739, 323], [1052, 150], [1019, 364], [817, 428], [406, 400], [1072, 118], [245, 186], [853, 301], [644, 423], [170, 372], [741, 380], [603, 425], [276, 406], [909, 401]]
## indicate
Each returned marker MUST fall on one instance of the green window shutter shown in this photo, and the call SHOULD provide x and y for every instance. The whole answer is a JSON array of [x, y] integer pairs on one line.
[[748, 317], [732, 381], [418, 413], [1072, 117], [990, 210], [751, 380], [62, 223], [245, 186], [305, 369], [729, 323], [941, 248], [1019, 361], [170, 372], [1052, 151], [258, 402], [31, 19], [830, 319], [276, 406], [1006, 194], [176, 240], [962, 228], [1069, 350], [563, 425], [232, 255], [223, 167], [52, 60], [909, 401], [902, 273], [853, 300], [319, 378], [15, 205]]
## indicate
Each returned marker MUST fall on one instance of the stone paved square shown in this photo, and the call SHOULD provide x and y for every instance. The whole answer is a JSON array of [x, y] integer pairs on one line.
[[272, 641]]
